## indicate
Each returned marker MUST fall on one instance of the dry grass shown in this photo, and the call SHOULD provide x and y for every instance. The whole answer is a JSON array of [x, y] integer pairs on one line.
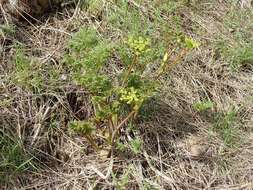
[[183, 148]]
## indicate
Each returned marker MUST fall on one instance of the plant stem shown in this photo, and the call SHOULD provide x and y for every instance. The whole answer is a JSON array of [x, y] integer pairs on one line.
[[175, 62], [180, 57], [91, 141], [130, 69], [111, 128], [120, 125]]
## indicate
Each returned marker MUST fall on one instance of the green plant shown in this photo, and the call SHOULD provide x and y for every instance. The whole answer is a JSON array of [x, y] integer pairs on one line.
[[242, 56], [32, 75], [116, 98], [121, 182], [235, 40], [26, 74], [226, 126], [13, 160], [203, 106], [6, 30], [136, 145]]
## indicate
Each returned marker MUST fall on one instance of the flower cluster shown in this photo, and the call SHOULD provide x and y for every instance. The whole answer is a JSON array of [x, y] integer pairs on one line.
[[139, 45]]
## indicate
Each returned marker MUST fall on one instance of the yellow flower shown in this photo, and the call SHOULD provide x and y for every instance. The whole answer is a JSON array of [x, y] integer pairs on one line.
[[165, 57], [129, 96], [139, 45]]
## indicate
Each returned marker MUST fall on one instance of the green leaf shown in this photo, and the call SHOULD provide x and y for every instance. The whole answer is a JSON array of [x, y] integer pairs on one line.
[[136, 145], [134, 80], [95, 83], [83, 127], [191, 43], [120, 146], [203, 106], [85, 38], [97, 57]]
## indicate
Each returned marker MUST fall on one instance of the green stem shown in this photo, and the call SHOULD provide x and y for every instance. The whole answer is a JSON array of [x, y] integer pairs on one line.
[[130, 69]]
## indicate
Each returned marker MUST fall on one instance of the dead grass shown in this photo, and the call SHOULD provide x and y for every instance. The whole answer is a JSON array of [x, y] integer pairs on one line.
[[182, 148]]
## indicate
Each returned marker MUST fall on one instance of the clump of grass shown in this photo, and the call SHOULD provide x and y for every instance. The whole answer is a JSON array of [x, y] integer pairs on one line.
[[242, 55], [26, 73], [32, 75], [13, 159], [121, 182], [236, 43], [6, 30], [227, 127]]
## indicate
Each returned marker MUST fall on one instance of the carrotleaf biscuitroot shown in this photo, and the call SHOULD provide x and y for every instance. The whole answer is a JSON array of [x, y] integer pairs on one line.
[[116, 97]]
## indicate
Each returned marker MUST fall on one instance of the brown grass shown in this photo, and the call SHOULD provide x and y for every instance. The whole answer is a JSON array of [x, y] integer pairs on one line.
[[181, 149]]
